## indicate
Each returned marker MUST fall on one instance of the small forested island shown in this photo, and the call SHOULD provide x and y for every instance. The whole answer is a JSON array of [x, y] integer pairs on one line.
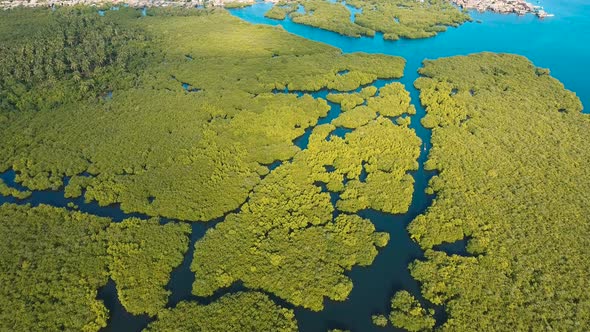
[[226, 176], [251, 311], [394, 18]]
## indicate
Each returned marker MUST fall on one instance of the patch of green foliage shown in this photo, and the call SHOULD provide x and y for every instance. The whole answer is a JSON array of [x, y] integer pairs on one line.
[[330, 16], [281, 9], [6, 190], [244, 311], [407, 313], [357, 117], [394, 18], [349, 101], [393, 100], [54, 260], [379, 320], [387, 152], [143, 255], [285, 240], [510, 144], [52, 264], [154, 147], [66, 56], [291, 249], [408, 18]]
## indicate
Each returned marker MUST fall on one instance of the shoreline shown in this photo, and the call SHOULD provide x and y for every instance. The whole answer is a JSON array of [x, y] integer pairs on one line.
[[519, 7]]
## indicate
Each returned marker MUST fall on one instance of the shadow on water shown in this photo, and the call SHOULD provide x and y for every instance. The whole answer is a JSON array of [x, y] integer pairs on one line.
[[58, 199], [339, 132], [119, 318], [182, 278], [458, 247]]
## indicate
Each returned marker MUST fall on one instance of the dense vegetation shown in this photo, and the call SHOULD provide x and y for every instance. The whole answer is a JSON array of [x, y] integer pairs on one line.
[[349, 101], [281, 9], [379, 320], [408, 18], [53, 261], [407, 313], [157, 148], [246, 311], [330, 16], [393, 100], [52, 264], [6, 190], [143, 255], [285, 240], [45, 62], [510, 144], [287, 244], [394, 18]]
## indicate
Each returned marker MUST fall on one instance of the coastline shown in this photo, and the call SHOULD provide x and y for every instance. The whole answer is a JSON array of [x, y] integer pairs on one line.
[[519, 7]]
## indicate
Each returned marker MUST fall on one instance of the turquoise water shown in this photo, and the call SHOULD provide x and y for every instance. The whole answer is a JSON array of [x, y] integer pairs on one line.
[[560, 43]]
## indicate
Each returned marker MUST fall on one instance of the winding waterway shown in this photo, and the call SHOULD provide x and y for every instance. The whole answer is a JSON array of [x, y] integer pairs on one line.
[[559, 43]]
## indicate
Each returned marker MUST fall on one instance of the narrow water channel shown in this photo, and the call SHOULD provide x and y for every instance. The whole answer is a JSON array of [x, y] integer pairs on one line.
[[373, 286]]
